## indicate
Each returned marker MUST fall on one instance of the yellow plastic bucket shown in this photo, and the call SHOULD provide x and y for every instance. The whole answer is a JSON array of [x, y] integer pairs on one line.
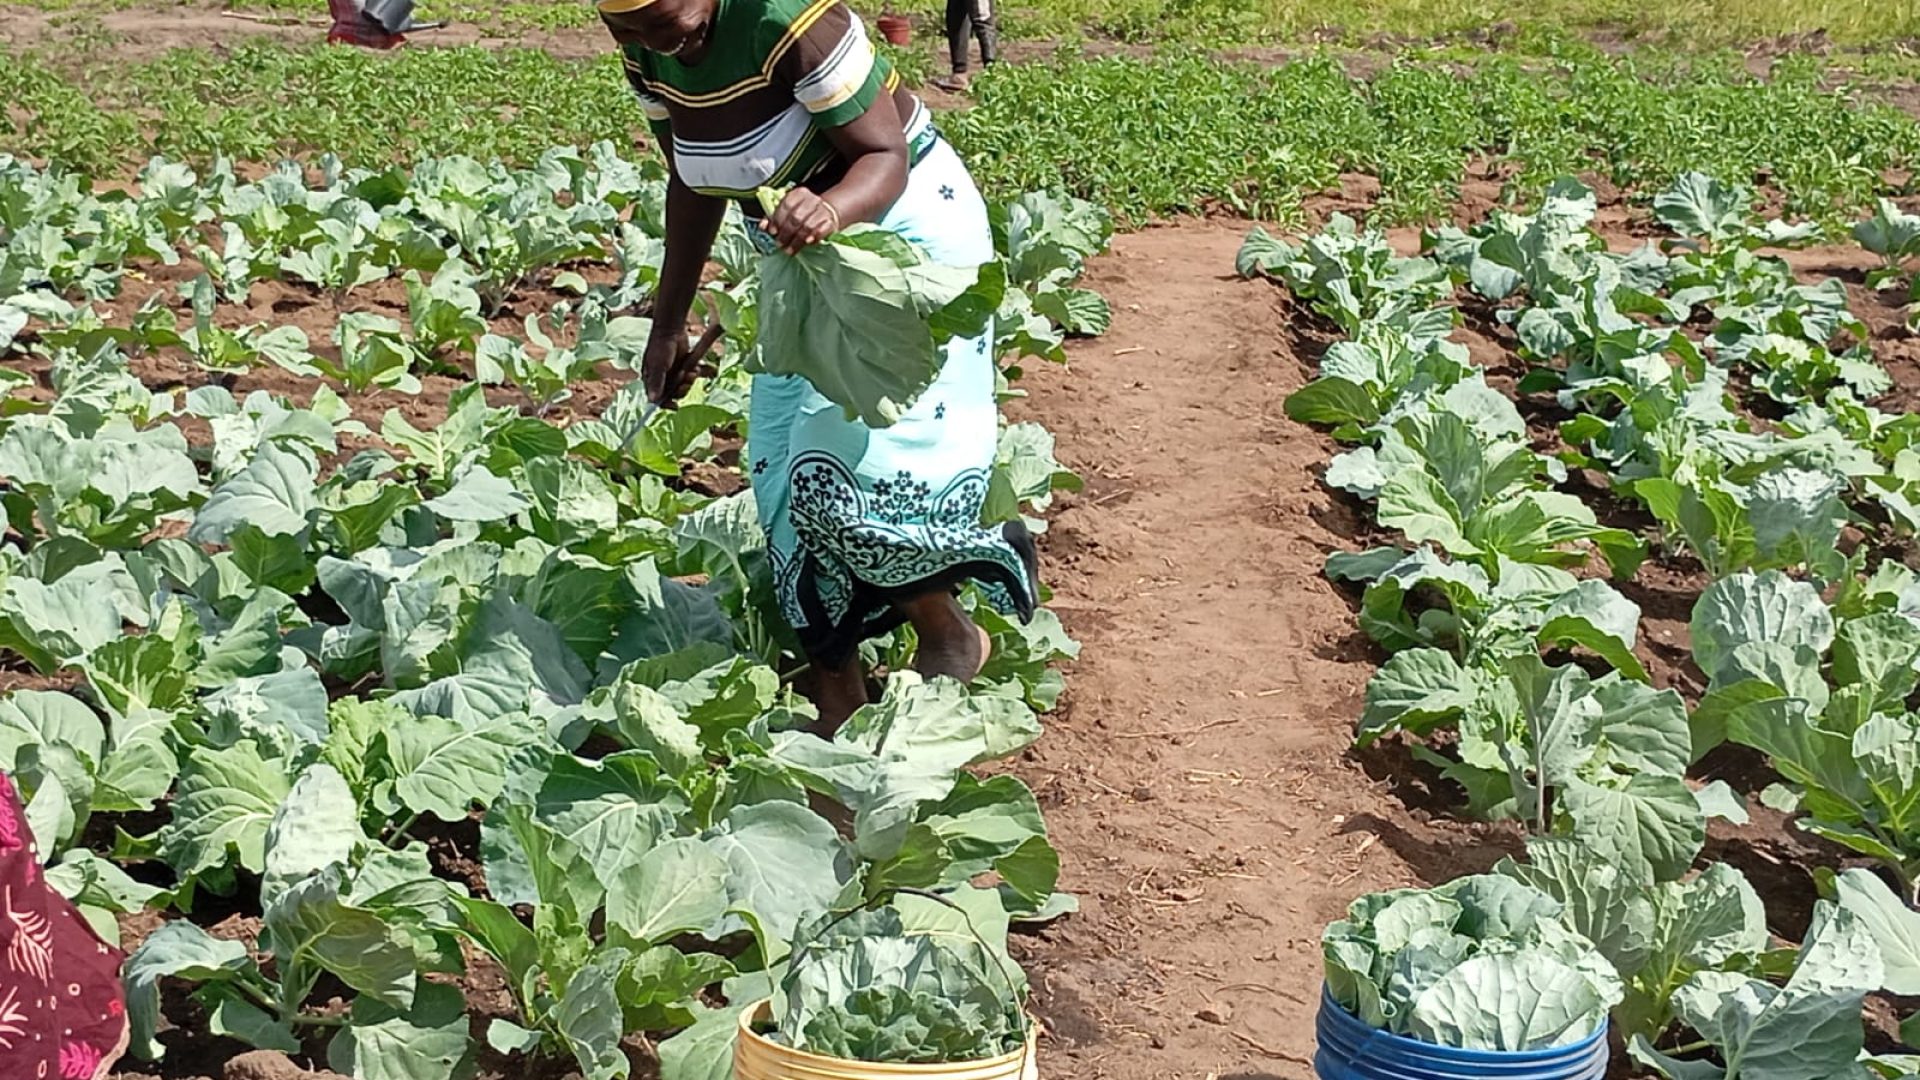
[[756, 1057]]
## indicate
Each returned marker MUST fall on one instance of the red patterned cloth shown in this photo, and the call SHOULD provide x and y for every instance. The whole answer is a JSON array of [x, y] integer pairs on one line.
[[62, 1010], [350, 27]]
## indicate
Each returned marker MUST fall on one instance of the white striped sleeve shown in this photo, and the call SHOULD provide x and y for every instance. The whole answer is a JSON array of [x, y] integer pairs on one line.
[[831, 65]]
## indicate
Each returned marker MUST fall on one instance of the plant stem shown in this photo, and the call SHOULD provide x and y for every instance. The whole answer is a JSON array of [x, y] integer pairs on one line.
[[399, 837], [1690, 1048]]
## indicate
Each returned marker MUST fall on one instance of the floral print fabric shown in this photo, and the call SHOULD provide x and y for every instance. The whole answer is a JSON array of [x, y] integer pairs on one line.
[[62, 1011]]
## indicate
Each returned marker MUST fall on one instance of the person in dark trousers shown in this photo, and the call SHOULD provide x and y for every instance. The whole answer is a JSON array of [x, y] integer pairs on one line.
[[965, 19]]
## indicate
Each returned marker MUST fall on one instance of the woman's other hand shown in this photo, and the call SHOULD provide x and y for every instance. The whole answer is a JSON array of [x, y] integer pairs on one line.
[[664, 368], [801, 220]]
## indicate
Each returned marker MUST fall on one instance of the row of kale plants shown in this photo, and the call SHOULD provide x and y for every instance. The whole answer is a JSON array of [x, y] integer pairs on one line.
[[1512, 665]]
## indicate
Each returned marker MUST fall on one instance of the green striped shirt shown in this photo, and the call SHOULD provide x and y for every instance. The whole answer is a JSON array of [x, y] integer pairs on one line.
[[753, 112]]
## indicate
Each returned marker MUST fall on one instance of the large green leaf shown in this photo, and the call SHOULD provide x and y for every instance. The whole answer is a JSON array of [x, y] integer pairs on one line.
[[1645, 729], [855, 317], [1769, 607], [1509, 1001], [1649, 819], [428, 1042], [1597, 617], [1414, 691], [311, 928], [1697, 205], [704, 1051], [1419, 506], [1895, 927], [589, 1019], [1605, 903], [614, 810], [784, 864], [1808, 1029], [443, 767], [479, 496], [316, 826], [996, 825], [1878, 652], [181, 950], [274, 494], [677, 888], [226, 801]]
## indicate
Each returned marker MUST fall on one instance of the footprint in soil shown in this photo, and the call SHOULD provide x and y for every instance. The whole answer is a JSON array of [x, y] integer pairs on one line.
[[271, 1065]]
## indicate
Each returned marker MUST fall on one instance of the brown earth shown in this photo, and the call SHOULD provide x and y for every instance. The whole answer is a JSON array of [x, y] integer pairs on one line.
[[1197, 781]]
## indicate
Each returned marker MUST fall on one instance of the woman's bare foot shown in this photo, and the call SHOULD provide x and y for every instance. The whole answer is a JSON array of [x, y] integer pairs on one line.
[[951, 643], [836, 692]]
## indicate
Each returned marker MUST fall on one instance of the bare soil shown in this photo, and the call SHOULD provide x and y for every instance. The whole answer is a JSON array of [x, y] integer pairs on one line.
[[1198, 781]]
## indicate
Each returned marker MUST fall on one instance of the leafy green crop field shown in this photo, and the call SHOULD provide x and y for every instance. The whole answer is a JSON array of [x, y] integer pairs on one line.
[[1148, 136], [350, 584], [1687, 25], [277, 606], [1693, 24], [1738, 409]]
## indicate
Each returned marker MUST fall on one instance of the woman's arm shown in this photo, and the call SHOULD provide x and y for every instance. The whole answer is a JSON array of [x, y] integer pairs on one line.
[[875, 149], [693, 220]]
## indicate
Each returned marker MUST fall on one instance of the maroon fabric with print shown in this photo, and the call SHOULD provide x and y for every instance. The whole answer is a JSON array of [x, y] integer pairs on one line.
[[62, 1011], [350, 27]]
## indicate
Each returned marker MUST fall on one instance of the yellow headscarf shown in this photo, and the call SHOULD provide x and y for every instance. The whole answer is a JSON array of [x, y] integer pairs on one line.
[[622, 7]]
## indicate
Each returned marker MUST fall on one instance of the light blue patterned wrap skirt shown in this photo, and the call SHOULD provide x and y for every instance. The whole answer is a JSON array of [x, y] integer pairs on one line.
[[858, 518]]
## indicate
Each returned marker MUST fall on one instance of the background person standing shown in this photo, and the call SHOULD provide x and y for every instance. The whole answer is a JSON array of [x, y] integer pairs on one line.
[[965, 19]]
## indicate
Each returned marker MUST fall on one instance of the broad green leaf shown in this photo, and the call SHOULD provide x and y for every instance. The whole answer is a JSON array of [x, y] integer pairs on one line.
[[854, 317], [1415, 691], [784, 864], [1509, 1001], [1895, 927], [443, 767], [238, 1018], [282, 711], [1645, 729], [1697, 205], [1878, 652], [589, 1020], [1808, 1028], [1595, 616], [1649, 819], [428, 1042], [309, 926], [225, 803], [274, 494], [479, 496], [180, 950], [316, 826], [494, 928], [704, 1051], [996, 825], [1605, 903], [1416, 504], [1764, 607], [677, 888], [614, 810]]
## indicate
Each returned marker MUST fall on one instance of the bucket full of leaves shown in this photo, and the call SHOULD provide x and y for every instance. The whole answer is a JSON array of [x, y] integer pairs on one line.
[[1479, 977], [920, 987]]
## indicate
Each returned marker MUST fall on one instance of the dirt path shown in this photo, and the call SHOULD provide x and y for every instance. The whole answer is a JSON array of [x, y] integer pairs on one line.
[[1196, 781]]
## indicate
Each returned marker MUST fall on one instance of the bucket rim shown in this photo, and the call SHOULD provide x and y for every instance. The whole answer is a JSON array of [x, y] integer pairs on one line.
[[1334, 1009], [753, 1013]]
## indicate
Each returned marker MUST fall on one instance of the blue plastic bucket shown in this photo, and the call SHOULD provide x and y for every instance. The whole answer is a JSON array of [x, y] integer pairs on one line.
[[1350, 1050]]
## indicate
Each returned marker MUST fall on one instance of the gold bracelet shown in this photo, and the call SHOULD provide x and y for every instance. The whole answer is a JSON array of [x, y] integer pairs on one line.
[[836, 216]]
